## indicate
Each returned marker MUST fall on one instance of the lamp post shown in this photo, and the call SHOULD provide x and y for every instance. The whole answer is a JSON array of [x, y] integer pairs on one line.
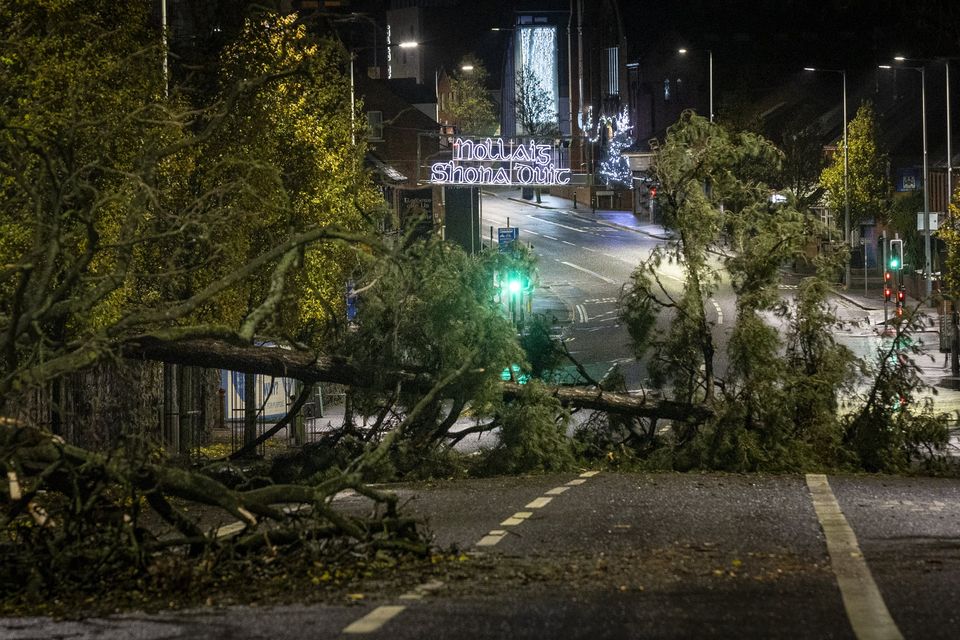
[[946, 66], [926, 183], [710, 73], [353, 98], [354, 18], [847, 239]]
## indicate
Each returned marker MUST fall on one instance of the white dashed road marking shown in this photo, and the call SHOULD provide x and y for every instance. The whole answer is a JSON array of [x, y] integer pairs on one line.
[[587, 271], [866, 610], [719, 311]]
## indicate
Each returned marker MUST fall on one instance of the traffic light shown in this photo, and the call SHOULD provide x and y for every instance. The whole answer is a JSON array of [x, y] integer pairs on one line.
[[901, 296], [887, 286], [895, 261]]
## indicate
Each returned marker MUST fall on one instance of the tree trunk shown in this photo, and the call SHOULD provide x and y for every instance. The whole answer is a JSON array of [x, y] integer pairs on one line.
[[310, 368], [249, 408]]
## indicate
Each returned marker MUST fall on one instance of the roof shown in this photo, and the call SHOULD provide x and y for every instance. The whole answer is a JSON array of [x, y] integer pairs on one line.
[[384, 169]]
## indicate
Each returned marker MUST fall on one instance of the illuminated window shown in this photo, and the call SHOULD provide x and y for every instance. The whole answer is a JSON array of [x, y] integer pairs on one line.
[[666, 90]]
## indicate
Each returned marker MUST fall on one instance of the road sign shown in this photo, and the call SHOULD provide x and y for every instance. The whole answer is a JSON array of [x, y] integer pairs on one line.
[[934, 221], [506, 236]]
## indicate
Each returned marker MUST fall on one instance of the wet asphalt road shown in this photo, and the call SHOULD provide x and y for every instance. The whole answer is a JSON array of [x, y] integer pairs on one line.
[[634, 556]]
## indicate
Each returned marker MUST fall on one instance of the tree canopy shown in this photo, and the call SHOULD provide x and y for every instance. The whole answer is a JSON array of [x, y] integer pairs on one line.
[[535, 111], [778, 391], [471, 106], [126, 213], [867, 165]]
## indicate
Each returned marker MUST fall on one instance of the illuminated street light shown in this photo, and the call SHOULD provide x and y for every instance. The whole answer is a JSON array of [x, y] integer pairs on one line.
[[407, 44], [846, 175]]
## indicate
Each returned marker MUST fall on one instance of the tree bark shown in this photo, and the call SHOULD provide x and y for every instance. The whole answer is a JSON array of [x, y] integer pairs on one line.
[[310, 368]]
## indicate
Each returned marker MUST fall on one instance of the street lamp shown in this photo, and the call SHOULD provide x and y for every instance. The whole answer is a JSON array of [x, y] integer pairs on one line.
[[848, 240], [355, 18], [710, 67], [926, 175], [409, 44]]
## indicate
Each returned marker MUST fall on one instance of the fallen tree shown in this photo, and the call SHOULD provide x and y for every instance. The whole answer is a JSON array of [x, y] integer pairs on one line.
[[310, 368]]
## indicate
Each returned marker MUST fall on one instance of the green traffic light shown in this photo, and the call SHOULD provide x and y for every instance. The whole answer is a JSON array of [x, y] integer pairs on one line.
[[514, 286], [894, 263]]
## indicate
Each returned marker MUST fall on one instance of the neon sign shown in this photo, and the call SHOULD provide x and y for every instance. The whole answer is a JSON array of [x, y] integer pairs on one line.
[[495, 161]]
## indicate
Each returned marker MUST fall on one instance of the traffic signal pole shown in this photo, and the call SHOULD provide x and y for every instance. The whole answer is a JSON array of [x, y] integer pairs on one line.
[[886, 282]]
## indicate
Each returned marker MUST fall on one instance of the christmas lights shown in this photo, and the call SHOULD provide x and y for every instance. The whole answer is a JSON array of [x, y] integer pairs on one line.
[[495, 161]]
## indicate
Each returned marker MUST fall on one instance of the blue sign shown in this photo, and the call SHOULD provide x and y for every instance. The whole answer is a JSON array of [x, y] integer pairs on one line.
[[909, 179], [351, 302], [506, 236]]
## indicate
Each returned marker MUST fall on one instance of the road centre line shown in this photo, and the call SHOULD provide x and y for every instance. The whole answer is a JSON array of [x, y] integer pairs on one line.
[[538, 503], [592, 273], [550, 237], [374, 620], [516, 518], [719, 311], [868, 614], [569, 243], [559, 225]]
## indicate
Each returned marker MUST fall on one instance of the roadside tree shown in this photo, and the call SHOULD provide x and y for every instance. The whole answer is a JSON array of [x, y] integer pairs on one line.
[[777, 404], [471, 106], [533, 106], [869, 189]]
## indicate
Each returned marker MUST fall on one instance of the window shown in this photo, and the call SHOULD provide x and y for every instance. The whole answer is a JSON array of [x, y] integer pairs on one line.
[[374, 125], [613, 71], [666, 90]]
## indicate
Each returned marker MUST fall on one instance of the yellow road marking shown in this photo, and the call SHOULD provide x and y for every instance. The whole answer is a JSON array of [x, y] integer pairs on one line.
[[539, 503], [578, 481], [491, 538], [556, 491], [588, 474], [868, 615], [374, 620], [516, 518]]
